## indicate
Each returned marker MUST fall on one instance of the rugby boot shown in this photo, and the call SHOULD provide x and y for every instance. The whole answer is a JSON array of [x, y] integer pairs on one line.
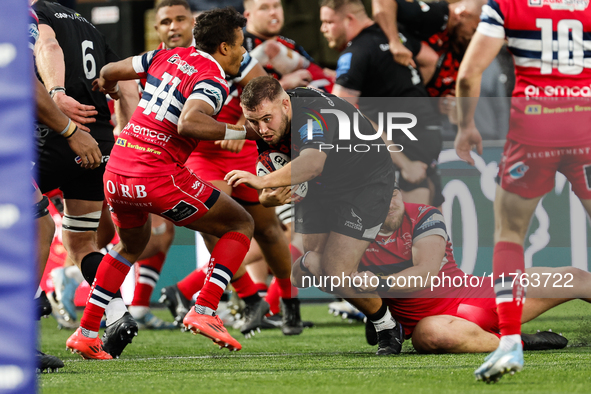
[[543, 340], [292, 321], [47, 362], [212, 328], [276, 321], [345, 310], [88, 348], [500, 362], [371, 335], [253, 316], [119, 334], [64, 320], [176, 302], [390, 340], [43, 306]]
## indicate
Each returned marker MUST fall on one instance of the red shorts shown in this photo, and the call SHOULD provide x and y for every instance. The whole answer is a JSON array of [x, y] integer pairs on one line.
[[213, 163], [476, 304], [529, 171], [182, 197]]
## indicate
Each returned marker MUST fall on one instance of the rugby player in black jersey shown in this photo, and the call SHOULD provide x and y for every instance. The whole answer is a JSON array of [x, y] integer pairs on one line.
[[69, 55], [365, 71], [350, 183]]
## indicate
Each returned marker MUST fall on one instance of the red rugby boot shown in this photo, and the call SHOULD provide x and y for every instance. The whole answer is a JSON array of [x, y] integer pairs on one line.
[[211, 327], [88, 348]]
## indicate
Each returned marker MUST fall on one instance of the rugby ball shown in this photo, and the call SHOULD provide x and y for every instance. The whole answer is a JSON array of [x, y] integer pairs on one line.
[[270, 161]]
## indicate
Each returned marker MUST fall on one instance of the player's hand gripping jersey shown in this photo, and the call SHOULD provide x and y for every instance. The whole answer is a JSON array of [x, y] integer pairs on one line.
[[550, 41], [149, 145]]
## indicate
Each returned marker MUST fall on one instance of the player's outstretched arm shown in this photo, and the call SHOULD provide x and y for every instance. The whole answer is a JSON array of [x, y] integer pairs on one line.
[[196, 121], [479, 55], [309, 164], [112, 73], [80, 142], [49, 58]]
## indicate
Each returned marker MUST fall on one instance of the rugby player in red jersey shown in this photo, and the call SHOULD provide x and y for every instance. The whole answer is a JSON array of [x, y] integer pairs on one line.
[[185, 89], [444, 310], [212, 160], [553, 73]]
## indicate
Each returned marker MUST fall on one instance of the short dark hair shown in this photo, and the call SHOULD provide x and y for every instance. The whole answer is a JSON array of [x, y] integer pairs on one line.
[[258, 90], [337, 5], [171, 3], [215, 27]]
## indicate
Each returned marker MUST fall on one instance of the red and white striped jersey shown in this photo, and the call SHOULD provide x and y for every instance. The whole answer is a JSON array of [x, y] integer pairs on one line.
[[149, 145], [551, 45], [550, 41]]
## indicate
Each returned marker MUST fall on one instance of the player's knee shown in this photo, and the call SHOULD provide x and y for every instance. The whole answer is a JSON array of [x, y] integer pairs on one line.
[[429, 336], [244, 224]]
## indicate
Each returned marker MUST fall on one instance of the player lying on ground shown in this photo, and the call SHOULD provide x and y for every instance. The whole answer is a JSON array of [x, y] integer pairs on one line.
[[413, 242]]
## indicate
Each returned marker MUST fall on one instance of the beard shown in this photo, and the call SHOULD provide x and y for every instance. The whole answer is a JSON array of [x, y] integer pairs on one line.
[[284, 128], [392, 224]]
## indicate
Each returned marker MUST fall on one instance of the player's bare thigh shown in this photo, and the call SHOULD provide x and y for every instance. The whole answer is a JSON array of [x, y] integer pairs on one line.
[[451, 334]]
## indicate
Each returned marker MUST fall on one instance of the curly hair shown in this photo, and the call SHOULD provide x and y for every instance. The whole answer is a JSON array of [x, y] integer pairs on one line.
[[215, 27]]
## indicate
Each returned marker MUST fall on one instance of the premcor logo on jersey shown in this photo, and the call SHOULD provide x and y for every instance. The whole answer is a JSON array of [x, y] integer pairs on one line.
[[316, 125]]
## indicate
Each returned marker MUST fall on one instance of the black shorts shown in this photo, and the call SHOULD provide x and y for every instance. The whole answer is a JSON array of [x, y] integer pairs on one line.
[[56, 167], [357, 213]]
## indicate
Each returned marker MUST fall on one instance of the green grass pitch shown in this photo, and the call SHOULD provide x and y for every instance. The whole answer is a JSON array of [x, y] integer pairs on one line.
[[329, 358]]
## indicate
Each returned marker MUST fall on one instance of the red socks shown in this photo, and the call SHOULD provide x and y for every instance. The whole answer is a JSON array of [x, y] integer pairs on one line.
[[244, 286], [110, 275], [193, 282], [508, 260], [146, 275], [280, 288], [225, 260]]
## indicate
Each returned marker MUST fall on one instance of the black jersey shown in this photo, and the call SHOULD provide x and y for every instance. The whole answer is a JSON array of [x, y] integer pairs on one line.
[[351, 163], [85, 53], [422, 19], [368, 67]]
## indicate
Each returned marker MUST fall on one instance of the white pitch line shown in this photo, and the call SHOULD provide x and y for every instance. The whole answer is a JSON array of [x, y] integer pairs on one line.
[[212, 357]]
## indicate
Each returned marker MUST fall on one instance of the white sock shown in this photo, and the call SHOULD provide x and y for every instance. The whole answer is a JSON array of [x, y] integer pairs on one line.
[[137, 312], [115, 310], [203, 310], [88, 333], [385, 323], [74, 273], [508, 341]]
